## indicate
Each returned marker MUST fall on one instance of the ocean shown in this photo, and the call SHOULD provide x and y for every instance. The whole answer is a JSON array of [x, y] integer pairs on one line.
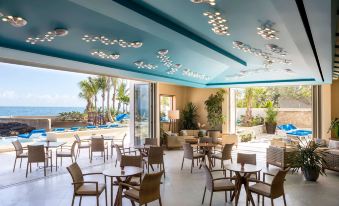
[[36, 111]]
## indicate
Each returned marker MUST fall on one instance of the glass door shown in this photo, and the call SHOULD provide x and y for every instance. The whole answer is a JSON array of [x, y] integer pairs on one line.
[[141, 113]]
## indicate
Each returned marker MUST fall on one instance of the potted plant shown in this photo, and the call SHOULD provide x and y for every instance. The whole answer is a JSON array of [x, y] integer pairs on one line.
[[334, 128], [271, 118], [189, 116], [215, 118], [309, 160]]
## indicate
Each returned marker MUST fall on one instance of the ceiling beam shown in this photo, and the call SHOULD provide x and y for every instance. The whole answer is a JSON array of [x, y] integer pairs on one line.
[[160, 19]]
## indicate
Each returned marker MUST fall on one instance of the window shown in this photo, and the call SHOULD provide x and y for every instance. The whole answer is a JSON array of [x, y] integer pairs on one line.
[[166, 104]]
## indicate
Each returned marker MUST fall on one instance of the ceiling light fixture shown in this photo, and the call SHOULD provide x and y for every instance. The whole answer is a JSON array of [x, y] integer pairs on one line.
[[49, 36], [190, 73], [15, 21], [217, 22], [106, 41], [266, 31], [105, 55], [210, 2], [266, 68], [276, 49], [167, 62], [142, 65]]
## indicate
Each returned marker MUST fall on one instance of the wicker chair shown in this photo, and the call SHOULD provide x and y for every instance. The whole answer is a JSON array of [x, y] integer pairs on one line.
[[83, 144], [225, 154], [134, 161], [216, 184], [85, 188], [148, 191], [273, 190], [278, 157], [155, 156], [251, 159], [65, 151], [20, 152], [120, 152], [189, 154], [151, 141], [36, 154], [99, 145], [119, 142]]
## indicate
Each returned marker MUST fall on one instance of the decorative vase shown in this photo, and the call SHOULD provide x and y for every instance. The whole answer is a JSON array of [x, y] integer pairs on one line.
[[270, 127], [214, 133], [311, 174]]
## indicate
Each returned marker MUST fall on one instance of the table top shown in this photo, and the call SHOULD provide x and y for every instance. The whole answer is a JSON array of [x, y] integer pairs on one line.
[[248, 168], [142, 146], [49, 144], [206, 145], [118, 172], [106, 138]]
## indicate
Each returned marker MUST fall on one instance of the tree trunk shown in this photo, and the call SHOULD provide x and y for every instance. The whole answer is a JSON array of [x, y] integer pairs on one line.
[[109, 115]]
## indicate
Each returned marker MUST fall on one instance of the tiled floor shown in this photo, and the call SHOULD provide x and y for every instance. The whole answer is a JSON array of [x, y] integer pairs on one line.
[[179, 188]]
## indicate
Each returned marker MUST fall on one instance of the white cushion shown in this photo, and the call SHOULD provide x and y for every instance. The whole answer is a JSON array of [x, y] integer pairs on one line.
[[333, 144]]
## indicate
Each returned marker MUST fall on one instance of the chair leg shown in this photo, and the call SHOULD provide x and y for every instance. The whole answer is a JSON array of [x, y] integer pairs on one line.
[[160, 201], [211, 198], [192, 166], [225, 196], [182, 164], [105, 193], [97, 200], [56, 163], [104, 156], [44, 169], [203, 197], [116, 162], [258, 198], [27, 169], [80, 201], [263, 200], [15, 164], [272, 202], [73, 200], [20, 162], [284, 199]]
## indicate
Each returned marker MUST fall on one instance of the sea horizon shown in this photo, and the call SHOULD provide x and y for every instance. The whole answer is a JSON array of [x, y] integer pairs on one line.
[[36, 110]]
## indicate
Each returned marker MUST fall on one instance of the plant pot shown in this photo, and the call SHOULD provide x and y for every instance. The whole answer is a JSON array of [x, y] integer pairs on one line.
[[270, 127], [214, 133], [311, 174]]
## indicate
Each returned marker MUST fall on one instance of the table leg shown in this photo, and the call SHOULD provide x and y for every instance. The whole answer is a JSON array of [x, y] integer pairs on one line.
[[112, 191], [240, 182], [248, 194]]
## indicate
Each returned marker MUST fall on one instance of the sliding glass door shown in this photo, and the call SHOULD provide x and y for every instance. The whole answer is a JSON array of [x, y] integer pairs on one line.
[[141, 113]]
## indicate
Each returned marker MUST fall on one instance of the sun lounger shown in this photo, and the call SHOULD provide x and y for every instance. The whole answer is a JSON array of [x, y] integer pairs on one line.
[[91, 127], [104, 126], [58, 129], [34, 133], [75, 129], [292, 130]]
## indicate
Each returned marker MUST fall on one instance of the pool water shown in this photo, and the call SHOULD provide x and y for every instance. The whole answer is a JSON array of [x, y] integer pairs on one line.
[[5, 141]]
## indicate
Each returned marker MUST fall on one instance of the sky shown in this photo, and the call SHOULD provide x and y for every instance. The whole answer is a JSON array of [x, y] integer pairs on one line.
[[30, 86]]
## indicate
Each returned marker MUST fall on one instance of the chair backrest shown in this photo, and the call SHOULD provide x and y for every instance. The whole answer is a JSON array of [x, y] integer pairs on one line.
[[18, 147], [77, 138], [118, 151], [76, 173], [151, 141], [150, 187], [188, 151], [155, 155], [73, 147], [208, 178], [277, 185], [36, 153], [205, 140], [128, 160], [97, 145], [247, 158], [227, 151]]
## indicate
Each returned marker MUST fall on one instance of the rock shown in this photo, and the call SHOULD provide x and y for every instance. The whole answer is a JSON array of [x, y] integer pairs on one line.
[[14, 128]]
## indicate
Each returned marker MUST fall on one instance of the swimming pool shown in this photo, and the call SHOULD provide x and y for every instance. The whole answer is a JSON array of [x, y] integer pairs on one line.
[[5, 141]]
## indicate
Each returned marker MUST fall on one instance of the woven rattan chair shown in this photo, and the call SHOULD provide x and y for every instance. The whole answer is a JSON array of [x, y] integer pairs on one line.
[[99, 145], [20, 152], [251, 159], [155, 157], [134, 161], [36, 154], [65, 151], [83, 144], [119, 142], [189, 154], [273, 190], [120, 152], [148, 191], [151, 141], [225, 154], [85, 188], [222, 184]]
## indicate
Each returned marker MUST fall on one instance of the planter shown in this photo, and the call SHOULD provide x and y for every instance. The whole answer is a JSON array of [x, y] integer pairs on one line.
[[311, 174], [214, 133], [270, 127]]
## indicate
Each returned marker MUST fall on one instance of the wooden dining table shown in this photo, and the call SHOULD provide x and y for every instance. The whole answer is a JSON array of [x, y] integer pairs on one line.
[[243, 173], [122, 175], [207, 147]]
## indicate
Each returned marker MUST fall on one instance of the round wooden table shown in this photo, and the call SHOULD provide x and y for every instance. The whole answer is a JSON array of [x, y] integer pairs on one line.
[[120, 173], [242, 174], [207, 151]]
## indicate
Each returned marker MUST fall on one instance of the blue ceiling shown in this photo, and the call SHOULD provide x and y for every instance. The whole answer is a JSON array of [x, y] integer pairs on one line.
[[180, 27]]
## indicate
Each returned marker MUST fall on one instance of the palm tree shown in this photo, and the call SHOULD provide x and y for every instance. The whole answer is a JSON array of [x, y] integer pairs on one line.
[[123, 95], [102, 84], [115, 82], [95, 89], [87, 93], [109, 115]]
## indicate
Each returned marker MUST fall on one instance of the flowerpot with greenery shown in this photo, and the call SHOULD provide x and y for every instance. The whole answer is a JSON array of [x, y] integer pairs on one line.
[[271, 118], [189, 116], [334, 129], [215, 118], [308, 159]]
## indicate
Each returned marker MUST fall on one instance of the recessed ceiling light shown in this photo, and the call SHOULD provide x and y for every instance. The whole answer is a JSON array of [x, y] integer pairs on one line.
[[15, 21], [49, 36]]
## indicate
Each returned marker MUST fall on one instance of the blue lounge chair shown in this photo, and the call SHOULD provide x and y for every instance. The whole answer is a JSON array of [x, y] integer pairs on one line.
[[75, 129], [91, 127], [120, 117], [113, 125], [34, 133], [287, 127], [291, 129], [58, 129], [104, 126]]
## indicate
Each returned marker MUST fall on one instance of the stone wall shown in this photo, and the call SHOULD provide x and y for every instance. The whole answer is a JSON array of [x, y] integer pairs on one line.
[[38, 123]]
